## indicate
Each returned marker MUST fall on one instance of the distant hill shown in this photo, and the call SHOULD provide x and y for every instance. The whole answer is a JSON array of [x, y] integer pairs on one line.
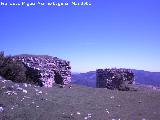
[[147, 78], [141, 77], [87, 79]]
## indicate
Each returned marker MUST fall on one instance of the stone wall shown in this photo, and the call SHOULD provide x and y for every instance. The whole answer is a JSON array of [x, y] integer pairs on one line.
[[52, 69], [114, 78]]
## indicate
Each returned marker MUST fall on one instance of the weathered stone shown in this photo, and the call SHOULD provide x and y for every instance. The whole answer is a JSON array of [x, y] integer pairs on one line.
[[114, 78], [52, 69]]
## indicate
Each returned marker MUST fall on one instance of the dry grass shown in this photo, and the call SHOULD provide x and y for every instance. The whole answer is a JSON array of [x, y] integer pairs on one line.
[[77, 103]]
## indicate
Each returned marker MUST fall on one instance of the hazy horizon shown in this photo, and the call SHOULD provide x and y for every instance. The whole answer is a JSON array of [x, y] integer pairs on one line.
[[117, 68], [106, 34]]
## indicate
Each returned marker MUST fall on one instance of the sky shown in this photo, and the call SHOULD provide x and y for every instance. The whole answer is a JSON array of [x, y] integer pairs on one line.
[[105, 34]]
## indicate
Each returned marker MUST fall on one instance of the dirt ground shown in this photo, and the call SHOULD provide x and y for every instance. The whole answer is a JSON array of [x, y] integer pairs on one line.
[[29, 102]]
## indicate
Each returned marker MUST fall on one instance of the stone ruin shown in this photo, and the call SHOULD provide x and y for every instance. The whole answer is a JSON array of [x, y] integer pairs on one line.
[[52, 69], [114, 78]]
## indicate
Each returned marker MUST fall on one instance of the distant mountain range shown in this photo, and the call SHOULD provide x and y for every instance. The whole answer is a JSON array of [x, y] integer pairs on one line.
[[141, 77]]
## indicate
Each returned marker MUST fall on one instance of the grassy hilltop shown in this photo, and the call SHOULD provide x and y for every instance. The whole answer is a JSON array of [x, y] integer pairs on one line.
[[20, 101]]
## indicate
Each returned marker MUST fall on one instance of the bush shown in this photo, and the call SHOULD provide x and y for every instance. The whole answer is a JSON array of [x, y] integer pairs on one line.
[[12, 70], [17, 71]]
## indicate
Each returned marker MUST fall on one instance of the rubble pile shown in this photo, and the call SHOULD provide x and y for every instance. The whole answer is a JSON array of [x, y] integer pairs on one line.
[[52, 69], [114, 78]]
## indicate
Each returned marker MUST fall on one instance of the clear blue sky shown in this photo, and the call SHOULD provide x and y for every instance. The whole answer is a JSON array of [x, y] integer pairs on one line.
[[110, 33]]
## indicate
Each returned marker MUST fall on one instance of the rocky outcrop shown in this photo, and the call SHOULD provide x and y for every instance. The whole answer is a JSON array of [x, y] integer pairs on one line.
[[114, 78], [52, 69]]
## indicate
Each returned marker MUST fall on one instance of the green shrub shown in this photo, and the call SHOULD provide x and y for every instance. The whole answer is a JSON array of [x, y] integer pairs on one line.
[[17, 71], [11, 70]]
